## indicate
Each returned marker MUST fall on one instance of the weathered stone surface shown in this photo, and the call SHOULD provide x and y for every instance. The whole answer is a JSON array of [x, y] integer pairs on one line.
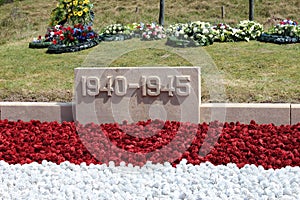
[[262, 113], [42, 111], [105, 95], [295, 113]]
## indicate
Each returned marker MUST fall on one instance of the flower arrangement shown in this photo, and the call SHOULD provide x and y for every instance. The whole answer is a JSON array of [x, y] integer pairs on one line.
[[74, 11], [286, 27], [224, 33], [136, 29], [191, 34], [115, 29], [39, 42], [73, 35], [115, 32], [152, 31], [67, 36], [146, 31], [287, 31], [247, 30], [46, 40]]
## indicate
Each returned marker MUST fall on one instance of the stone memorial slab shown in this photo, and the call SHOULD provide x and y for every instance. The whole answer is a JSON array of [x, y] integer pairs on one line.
[[108, 95]]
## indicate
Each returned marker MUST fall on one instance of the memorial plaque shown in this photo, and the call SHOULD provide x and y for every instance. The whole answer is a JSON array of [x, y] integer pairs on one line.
[[107, 95]]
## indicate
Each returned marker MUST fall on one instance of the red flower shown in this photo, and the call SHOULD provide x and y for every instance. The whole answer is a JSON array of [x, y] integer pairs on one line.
[[54, 42], [267, 145]]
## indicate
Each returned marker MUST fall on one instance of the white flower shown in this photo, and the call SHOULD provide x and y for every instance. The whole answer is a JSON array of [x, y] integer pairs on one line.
[[205, 31]]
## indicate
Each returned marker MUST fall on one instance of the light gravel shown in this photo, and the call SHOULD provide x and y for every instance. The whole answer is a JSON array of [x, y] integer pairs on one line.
[[152, 181]]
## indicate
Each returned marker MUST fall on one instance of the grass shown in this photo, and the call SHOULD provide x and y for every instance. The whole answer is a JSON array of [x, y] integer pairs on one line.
[[253, 72]]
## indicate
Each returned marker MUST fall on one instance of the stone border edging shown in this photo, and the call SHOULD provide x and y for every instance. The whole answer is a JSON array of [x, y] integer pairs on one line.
[[262, 113]]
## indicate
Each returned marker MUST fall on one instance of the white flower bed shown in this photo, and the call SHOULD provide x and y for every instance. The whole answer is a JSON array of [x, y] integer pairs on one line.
[[206, 181]]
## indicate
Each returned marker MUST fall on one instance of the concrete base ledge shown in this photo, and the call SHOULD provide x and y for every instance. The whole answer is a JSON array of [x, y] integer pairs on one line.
[[263, 113], [295, 113], [42, 111]]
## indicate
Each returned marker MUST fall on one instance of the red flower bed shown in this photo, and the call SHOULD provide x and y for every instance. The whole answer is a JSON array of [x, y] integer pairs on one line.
[[267, 145]]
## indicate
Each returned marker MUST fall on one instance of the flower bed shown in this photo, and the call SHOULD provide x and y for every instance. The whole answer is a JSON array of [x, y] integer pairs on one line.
[[234, 168], [267, 145]]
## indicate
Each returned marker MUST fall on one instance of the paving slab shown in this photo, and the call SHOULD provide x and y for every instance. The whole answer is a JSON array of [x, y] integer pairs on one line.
[[42, 111], [295, 113], [262, 113]]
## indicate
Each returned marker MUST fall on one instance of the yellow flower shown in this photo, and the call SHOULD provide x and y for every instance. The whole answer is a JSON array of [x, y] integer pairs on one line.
[[80, 13], [80, 2], [86, 10], [86, 1], [75, 13], [75, 3]]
